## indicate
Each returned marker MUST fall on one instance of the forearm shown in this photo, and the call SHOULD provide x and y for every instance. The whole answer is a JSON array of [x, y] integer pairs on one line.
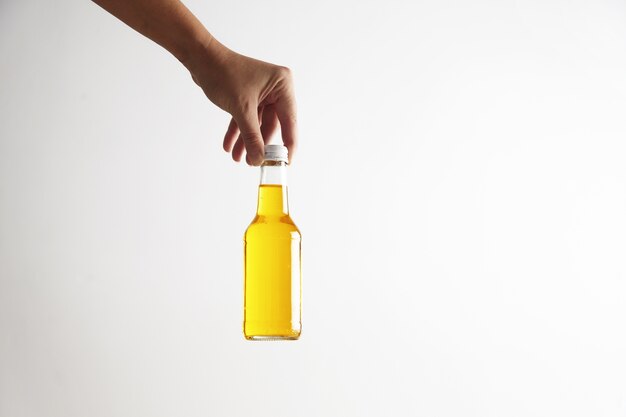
[[167, 22]]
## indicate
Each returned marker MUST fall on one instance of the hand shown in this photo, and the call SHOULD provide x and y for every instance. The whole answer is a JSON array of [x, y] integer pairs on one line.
[[257, 94]]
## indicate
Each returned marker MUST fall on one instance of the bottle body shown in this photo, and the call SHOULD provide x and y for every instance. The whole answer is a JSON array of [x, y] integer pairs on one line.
[[272, 265]]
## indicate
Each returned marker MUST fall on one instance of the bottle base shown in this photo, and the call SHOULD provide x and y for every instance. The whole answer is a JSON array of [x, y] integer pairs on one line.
[[271, 330], [272, 337]]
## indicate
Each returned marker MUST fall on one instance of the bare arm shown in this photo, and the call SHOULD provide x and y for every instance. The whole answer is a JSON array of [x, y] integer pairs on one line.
[[258, 95]]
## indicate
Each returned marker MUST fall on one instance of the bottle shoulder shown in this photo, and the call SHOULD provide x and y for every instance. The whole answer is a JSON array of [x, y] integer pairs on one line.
[[279, 227]]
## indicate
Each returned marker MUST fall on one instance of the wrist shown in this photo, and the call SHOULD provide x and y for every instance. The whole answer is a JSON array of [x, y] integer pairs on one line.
[[204, 54]]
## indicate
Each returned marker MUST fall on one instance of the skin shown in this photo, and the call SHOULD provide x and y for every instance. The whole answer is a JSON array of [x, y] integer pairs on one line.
[[258, 95]]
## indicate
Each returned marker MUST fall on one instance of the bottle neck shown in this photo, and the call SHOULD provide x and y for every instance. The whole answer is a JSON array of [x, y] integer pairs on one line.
[[274, 173], [273, 200]]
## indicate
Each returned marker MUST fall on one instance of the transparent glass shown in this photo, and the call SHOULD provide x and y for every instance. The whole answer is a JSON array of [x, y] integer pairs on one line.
[[272, 246]]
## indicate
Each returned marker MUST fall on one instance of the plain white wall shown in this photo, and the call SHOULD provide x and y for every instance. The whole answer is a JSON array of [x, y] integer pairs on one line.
[[460, 187]]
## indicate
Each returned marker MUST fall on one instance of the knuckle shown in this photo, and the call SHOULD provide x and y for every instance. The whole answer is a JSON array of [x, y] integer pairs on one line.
[[243, 105], [285, 72], [289, 115], [251, 138]]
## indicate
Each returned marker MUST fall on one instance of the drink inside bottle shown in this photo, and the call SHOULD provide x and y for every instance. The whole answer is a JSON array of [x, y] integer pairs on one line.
[[272, 258]]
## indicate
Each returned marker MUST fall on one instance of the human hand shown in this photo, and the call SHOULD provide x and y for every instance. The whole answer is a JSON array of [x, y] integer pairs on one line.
[[258, 95]]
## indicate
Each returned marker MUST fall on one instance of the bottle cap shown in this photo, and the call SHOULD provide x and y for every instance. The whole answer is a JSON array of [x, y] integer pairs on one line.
[[276, 153]]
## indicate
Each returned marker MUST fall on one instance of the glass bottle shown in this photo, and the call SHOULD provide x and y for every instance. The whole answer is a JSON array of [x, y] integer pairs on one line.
[[272, 279]]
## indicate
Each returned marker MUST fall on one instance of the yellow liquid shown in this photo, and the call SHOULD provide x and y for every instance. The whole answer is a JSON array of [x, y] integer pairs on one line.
[[272, 270]]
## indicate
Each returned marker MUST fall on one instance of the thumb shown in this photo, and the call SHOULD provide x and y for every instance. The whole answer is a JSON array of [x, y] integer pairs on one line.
[[250, 132]]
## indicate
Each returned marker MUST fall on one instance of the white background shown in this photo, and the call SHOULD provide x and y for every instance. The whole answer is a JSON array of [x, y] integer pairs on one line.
[[460, 187]]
